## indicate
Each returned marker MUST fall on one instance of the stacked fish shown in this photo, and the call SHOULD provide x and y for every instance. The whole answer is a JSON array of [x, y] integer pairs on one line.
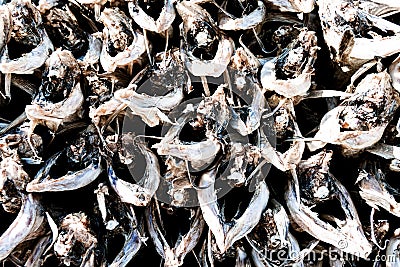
[[199, 132]]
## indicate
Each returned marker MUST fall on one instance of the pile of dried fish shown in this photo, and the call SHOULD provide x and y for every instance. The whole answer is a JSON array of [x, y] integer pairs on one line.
[[200, 132]]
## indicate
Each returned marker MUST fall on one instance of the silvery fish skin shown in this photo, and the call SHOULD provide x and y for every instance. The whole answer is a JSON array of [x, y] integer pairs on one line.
[[83, 157], [36, 258], [353, 124], [25, 226], [140, 193], [21, 25], [133, 243], [274, 225], [226, 233], [175, 255], [60, 96], [74, 231], [324, 186], [374, 190], [145, 21], [122, 45], [199, 32]]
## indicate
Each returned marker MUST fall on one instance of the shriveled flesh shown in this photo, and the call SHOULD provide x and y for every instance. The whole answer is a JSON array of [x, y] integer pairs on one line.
[[76, 241]]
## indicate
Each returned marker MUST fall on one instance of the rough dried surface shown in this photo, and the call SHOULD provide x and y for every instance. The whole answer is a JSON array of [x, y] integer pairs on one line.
[[199, 132]]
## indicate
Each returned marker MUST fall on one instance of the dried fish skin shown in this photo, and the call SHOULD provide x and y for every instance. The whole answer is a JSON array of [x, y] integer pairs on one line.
[[121, 44], [169, 78], [132, 245], [27, 224], [174, 256], [13, 181], [289, 159], [207, 51], [84, 163], [305, 6], [272, 234], [347, 235], [59, 21], [141, 193], [75, 242], [145, 21], [60, 96], [149, 107], [5, 27], [348, 30], [290, 73], [394, 71], [226, 233], [66, 33], [27, 30], [199, 154], [35, 259], [359, 121], [22, 142], [247, 21], [374, 190]]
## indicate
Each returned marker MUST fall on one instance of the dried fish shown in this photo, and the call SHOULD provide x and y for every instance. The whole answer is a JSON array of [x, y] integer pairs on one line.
[[198, 154], [13, 181], [181, 105], [28, 34], [348, 30], [173, 256], [375, 190], [359, 121], [140, 193], [83, 157], [290, 73], [66, 33], [226, 233], [76, 242], [316, 185], [60, 96], [271, 234], [207, 51], [147, 22], [149, 107], [289, 159], [133, 243], [170, 77], [122, 46], [250, 19], [25, 226]]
